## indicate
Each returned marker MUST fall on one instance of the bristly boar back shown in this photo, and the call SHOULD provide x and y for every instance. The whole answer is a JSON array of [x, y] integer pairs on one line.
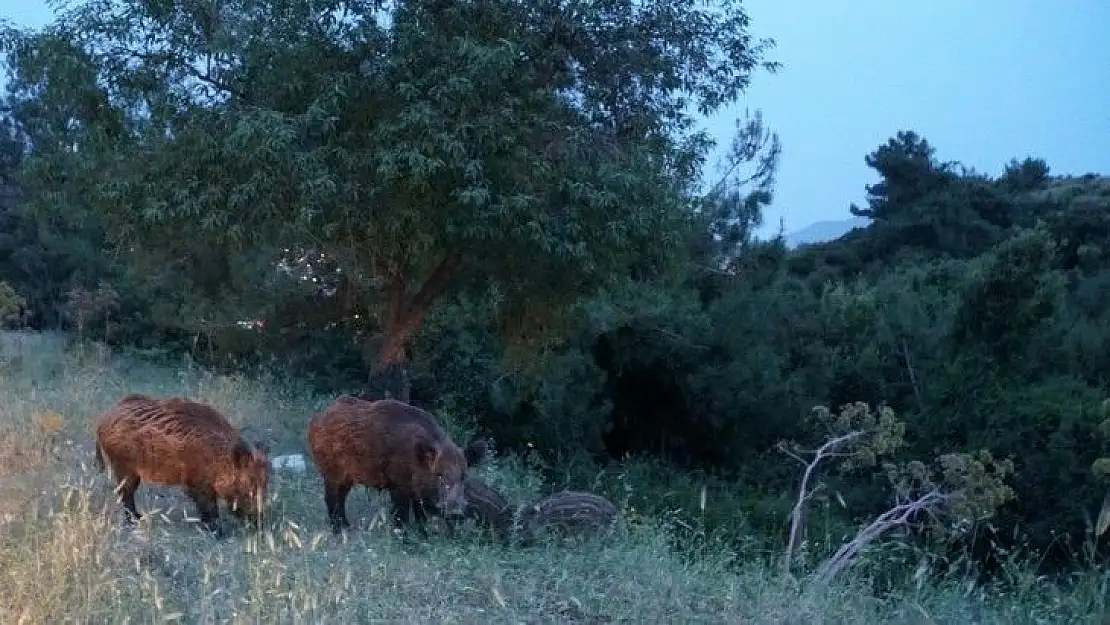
[[393, 446], [179, 442], [567, 512]]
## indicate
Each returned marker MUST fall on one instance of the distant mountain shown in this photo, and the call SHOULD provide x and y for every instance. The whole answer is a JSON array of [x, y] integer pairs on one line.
[[824, 231]]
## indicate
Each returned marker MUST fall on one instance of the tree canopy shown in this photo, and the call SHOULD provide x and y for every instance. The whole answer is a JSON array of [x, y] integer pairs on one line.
[[526, 151]]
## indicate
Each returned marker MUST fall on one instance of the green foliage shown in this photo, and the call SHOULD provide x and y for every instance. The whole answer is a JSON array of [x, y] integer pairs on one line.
[[882, 433], [41, 255], [11, 304], [974, 483], [1101, 466], [999, 354], [532, 158], [910, 174], [72, 548], [1008, 295], [961, 487], [511, 191], [1030, 174], [82, 304]]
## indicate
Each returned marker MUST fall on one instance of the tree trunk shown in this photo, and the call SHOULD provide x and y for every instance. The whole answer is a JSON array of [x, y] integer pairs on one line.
[[389, 377]]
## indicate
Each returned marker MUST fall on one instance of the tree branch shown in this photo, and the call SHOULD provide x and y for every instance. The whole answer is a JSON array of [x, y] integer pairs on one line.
[[171, 59], [436, 283], [405, 318], [911, 372], [396, 299], [804, 493], [896, 516]]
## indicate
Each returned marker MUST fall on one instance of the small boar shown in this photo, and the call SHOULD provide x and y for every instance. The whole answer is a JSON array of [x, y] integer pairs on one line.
[[567, 511], [393, 446], [486, 506], [178, 442]]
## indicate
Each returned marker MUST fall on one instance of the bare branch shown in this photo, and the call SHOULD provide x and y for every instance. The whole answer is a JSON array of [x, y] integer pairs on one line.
[[825, 451], [786, 450], [895, 517], [173, 60], [912, 373], [804, 492]]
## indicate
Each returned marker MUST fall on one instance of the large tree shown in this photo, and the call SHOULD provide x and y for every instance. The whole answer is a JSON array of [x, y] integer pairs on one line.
[[526, 150]]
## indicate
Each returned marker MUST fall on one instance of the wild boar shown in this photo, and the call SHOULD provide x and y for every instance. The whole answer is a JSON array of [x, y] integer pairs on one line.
[[567, 512], [393, 446], [179, 442]]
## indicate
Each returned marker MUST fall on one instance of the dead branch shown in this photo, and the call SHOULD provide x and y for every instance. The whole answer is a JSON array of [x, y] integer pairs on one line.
[[911, 372], [896, 516], [804, 493]]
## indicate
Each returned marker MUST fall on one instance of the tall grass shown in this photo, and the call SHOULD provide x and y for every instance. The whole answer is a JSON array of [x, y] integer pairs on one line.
[[65, 556]]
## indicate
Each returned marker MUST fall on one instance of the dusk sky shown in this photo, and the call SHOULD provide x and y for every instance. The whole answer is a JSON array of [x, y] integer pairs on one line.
[[982, 80]]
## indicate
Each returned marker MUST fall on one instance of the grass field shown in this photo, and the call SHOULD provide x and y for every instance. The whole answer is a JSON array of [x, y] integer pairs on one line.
[[65, 556]]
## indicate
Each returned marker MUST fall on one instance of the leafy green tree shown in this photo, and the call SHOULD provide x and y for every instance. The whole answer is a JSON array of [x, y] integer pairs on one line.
[[733, 208], [910, 171], [524, 151], [12, 306], [925, 203], [1028, 175], [1009, 293], [44, 253]]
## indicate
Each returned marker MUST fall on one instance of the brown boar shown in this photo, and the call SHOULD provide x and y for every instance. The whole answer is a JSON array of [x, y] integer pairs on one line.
[[567, 512], [178, 442], [393, 446]]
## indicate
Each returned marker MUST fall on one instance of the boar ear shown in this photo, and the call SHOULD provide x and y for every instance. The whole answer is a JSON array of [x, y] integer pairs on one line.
[[476, 452], [241, 454], [426, 453]]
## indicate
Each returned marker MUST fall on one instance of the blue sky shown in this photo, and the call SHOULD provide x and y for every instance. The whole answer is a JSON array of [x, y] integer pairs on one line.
[[982, 80]]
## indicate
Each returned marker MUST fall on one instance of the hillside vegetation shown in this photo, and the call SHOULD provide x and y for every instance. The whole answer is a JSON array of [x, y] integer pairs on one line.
[[503, 212], [65, 555]]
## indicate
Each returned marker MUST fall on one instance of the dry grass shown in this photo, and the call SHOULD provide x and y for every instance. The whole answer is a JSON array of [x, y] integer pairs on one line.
[[65, 557]]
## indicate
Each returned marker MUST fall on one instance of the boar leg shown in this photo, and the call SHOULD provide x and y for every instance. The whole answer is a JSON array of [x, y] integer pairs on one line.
[[335, 498], [408, 510], [207, 507], [402, 508], [125, 488]]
